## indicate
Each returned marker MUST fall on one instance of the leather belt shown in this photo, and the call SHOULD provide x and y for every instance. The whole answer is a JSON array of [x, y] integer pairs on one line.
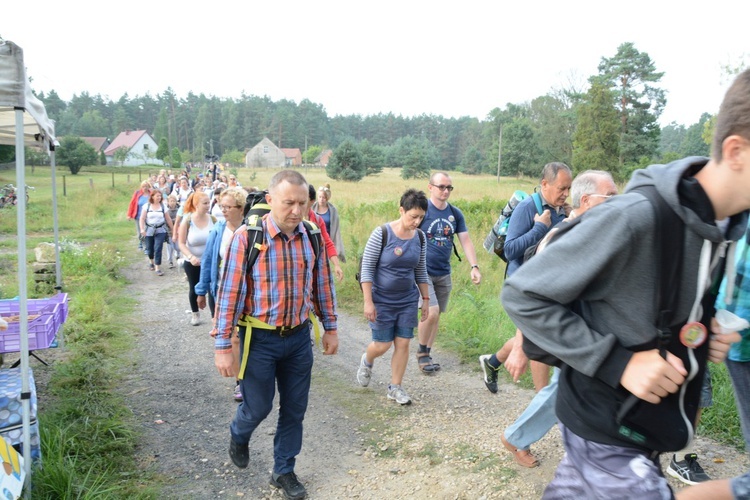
[[287, 331]]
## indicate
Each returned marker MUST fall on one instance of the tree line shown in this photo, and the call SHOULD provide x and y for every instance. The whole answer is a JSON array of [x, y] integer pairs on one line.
[[612, 125]]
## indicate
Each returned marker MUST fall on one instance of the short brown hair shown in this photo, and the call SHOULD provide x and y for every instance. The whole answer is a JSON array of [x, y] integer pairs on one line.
[[734, 114]]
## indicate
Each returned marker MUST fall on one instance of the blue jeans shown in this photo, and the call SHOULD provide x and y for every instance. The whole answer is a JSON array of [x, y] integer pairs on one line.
[[286, 361], [537, 419], [154, 246], [739, 372], [138, 233]]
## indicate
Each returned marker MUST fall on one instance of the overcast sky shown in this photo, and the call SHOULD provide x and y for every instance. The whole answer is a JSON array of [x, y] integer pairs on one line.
[[409, 57]]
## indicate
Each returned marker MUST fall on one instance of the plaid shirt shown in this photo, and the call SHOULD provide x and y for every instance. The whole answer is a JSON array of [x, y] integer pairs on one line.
[[739, 303], [283, 284]]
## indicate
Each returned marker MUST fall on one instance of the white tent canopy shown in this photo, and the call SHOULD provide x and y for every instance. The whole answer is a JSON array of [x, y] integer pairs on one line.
[[24, 122], [15, 93]]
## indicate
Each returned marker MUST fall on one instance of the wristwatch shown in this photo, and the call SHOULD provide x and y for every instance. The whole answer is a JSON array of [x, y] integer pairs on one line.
[[475, 265]]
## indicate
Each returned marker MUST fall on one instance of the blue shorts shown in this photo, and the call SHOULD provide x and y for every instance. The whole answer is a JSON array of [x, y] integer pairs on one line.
[[389, 334]]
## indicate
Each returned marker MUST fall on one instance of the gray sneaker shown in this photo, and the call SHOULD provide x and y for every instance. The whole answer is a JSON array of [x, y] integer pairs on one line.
[[364, 372], [689, 471], [399, 395], [489, 372]]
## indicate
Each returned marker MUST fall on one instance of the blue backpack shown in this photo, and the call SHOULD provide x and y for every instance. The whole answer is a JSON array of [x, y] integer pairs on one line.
[[495, 241]]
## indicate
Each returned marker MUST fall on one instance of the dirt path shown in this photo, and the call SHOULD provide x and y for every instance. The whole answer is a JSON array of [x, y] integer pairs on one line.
[[357, 444]]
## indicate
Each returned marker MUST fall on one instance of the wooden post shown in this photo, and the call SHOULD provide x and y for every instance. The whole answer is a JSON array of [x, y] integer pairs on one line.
[[113, 180], [65, 190], [91, 183]]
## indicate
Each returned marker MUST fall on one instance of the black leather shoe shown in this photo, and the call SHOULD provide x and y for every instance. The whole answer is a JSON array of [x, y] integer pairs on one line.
[[293, 489], [239, 453]]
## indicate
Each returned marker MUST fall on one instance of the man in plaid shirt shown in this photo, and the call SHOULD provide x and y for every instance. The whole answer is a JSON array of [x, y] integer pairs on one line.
[[271, 303]]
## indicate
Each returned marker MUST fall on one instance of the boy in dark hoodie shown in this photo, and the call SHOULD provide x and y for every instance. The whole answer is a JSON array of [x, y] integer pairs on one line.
[[610, 350]]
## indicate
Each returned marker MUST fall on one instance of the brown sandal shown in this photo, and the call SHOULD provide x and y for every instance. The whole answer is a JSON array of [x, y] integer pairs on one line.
[[523, 458], [424, 361]]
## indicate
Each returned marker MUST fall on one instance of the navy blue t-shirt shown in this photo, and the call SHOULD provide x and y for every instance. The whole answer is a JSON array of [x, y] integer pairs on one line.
[[439, 226]]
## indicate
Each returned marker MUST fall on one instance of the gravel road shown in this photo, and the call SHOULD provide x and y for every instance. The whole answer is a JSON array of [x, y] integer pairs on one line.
[[357, 444]]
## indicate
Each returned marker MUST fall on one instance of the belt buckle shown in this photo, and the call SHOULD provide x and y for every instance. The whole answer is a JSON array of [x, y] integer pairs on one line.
[[284, 331]]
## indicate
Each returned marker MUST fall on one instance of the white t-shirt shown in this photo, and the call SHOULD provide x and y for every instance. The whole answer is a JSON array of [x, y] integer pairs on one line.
[[197, 238]]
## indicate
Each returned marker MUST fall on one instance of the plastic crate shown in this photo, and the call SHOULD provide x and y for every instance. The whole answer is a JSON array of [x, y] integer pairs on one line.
[[52, 312]]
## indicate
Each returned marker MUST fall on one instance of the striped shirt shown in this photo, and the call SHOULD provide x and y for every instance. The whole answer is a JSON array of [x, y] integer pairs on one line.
[[282, 287]]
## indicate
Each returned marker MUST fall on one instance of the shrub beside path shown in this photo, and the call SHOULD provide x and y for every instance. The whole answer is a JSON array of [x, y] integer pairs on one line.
[[357, 444]]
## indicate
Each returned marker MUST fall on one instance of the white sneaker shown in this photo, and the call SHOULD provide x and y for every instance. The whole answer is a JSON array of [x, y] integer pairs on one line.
[[399, 395], [195, 320], [363, 372]]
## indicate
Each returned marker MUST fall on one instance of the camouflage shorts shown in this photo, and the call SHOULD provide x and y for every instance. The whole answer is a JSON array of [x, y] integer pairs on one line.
[[594, 470]]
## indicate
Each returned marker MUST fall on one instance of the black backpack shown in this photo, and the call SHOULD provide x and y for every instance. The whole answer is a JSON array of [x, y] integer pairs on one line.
[[255, 208], [383, 242]]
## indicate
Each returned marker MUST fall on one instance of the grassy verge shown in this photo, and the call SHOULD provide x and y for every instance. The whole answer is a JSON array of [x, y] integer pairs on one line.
[[88, 435], [87, 432]]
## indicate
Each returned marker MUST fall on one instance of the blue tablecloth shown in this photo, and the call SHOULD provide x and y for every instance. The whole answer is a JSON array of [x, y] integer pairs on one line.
[[11, 410]]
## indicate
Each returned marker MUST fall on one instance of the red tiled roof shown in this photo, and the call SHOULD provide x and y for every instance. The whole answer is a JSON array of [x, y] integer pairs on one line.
[[125, 139], [291, 152]]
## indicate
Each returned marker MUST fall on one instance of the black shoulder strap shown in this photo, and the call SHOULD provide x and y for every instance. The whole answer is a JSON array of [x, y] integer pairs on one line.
[[254, 227], [670, 240], [315, 237], [383, 241], [455, 251]]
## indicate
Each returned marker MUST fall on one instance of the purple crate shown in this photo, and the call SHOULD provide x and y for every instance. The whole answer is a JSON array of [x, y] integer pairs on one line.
[[58, 304], [42, 330]]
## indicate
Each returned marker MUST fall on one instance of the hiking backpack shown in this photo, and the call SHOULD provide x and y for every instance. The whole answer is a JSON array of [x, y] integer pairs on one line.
[[495, 240]]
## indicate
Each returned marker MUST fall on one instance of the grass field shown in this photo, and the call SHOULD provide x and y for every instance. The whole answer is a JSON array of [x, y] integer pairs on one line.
[[91, 211]]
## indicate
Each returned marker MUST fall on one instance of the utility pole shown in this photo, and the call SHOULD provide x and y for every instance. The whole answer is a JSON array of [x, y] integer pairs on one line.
[[305, 155], [499, 152]]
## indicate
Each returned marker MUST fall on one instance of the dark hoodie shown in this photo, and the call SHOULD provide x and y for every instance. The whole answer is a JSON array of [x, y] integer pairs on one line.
[[611, 267]]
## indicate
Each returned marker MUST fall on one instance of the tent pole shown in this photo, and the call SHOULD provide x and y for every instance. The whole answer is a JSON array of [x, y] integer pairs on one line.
[[58, 270], [22, 293]]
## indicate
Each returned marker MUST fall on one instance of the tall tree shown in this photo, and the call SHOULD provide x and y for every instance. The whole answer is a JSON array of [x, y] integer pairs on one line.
[[346, 163], [161, 129], [75, 153], [553, 121], [92, 124], [521, 154], [373, 157], [596, 139], [640, 103], [692, 143]]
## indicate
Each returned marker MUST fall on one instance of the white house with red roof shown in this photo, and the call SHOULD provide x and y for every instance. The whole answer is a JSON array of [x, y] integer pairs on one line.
[[140, 146]]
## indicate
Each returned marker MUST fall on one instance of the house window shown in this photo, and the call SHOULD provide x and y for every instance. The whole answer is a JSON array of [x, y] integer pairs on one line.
[[145, 147], [265, 150]]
